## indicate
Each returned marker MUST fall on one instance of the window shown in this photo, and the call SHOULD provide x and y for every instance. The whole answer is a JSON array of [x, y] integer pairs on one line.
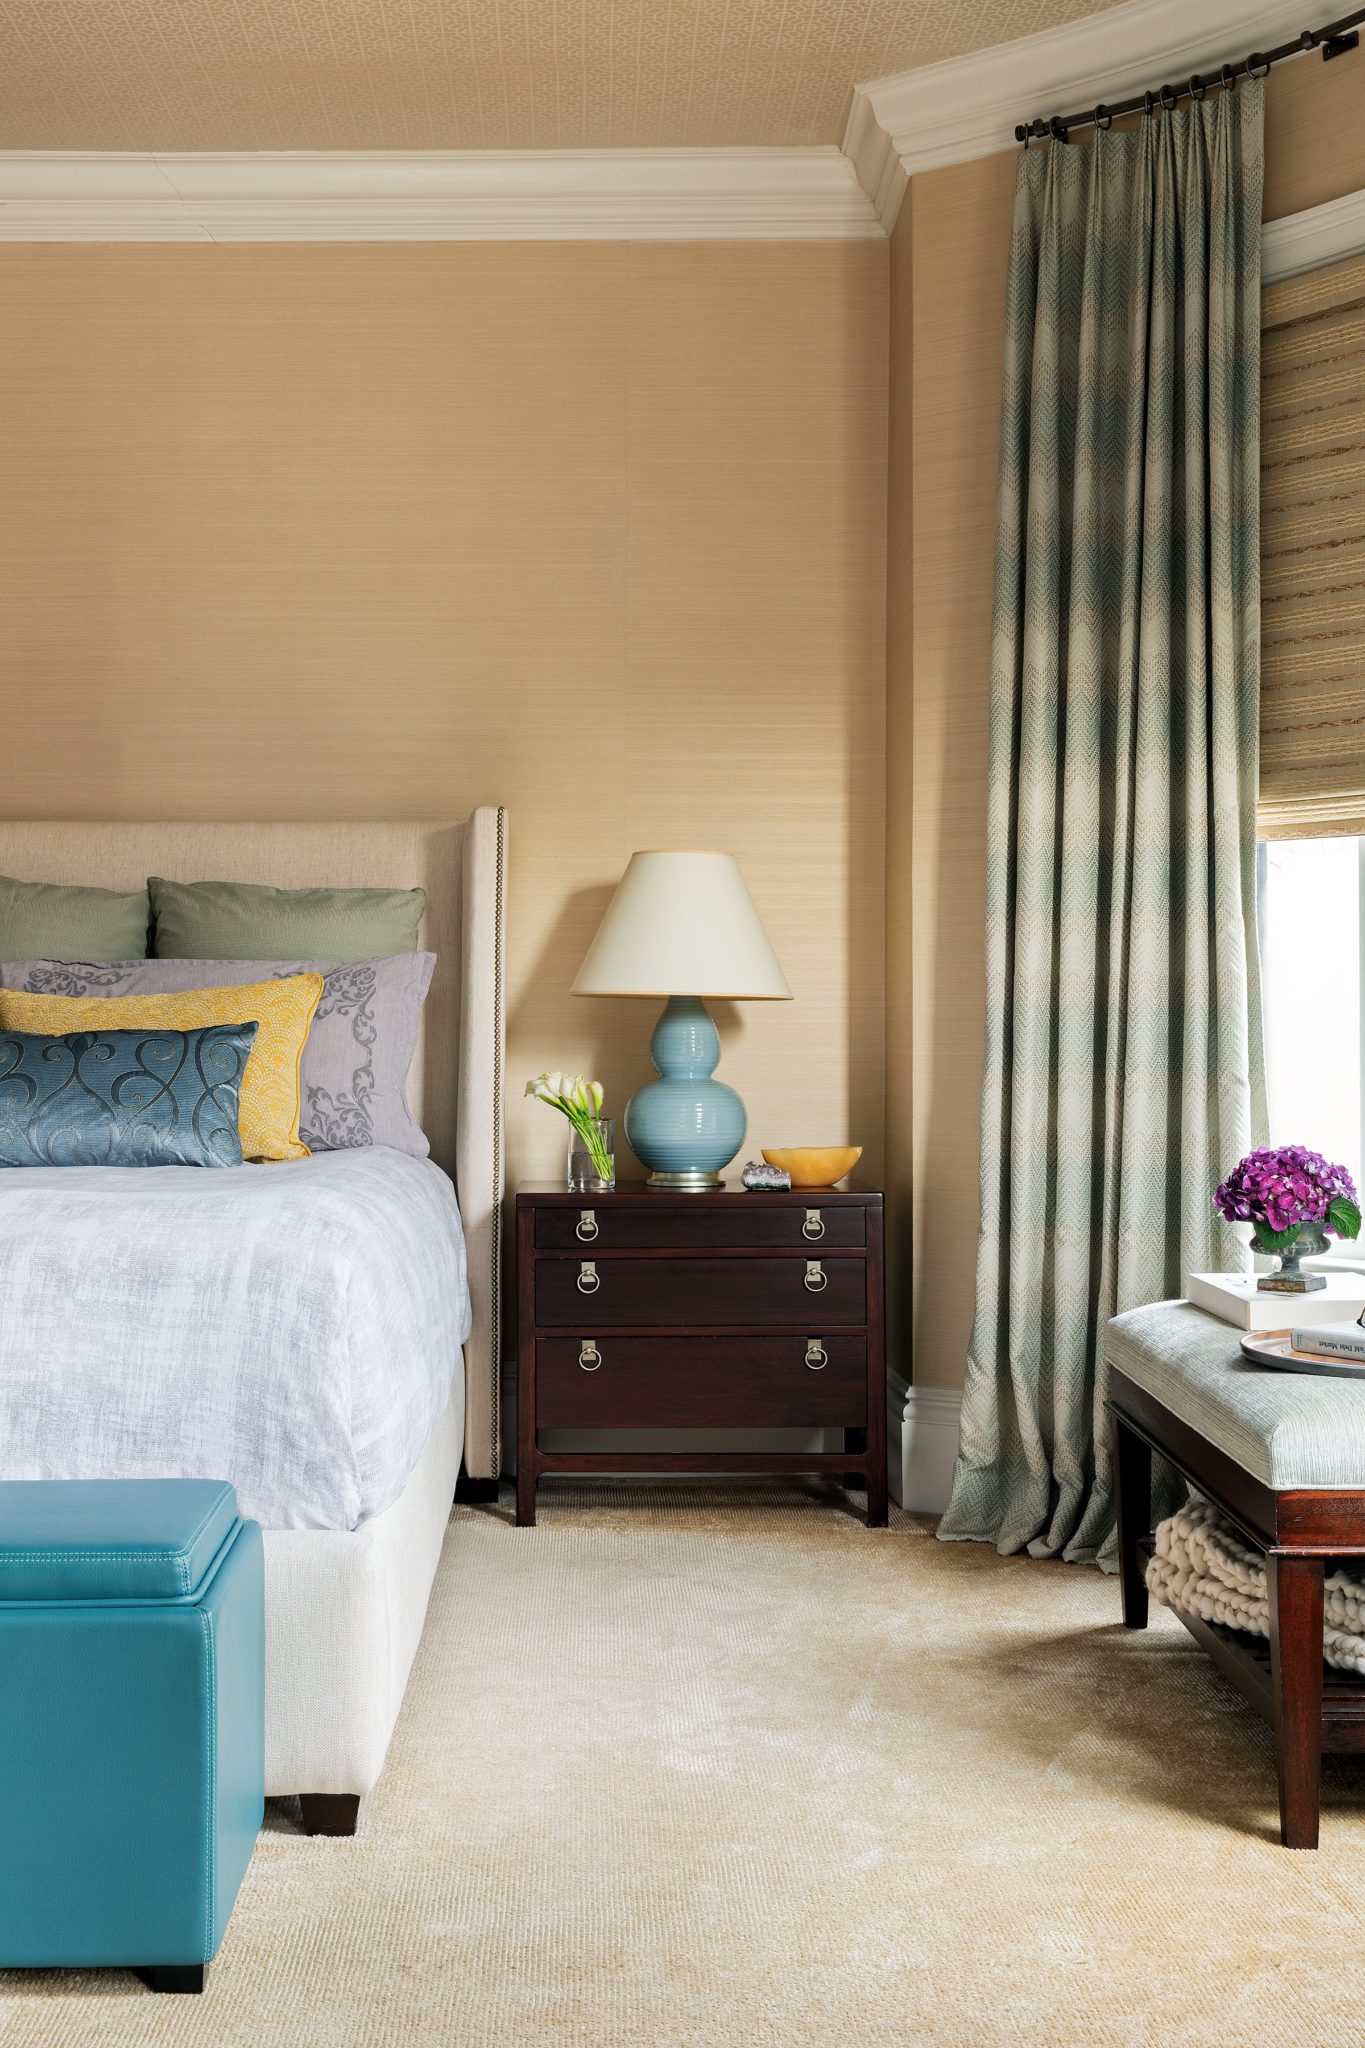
[[1311, 890], [1311, 903], [1313, 554]]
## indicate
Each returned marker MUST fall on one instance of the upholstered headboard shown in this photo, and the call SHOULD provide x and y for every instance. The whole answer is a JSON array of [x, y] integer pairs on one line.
[[456, 1082]]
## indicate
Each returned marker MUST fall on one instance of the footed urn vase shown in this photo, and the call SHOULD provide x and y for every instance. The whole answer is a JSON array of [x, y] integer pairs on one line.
[[1311, 1242]]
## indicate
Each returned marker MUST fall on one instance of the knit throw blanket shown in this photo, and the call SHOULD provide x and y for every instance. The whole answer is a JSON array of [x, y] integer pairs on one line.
[[1203, 1566]]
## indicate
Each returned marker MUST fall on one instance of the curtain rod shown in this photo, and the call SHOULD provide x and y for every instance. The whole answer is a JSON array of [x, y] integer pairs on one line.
[[1334, 41]]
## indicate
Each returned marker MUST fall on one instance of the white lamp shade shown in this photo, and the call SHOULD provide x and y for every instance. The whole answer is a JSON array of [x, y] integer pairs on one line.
[[681, 924]]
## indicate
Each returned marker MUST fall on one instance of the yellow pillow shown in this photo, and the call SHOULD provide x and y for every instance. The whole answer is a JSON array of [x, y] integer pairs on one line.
[[268, 1115]]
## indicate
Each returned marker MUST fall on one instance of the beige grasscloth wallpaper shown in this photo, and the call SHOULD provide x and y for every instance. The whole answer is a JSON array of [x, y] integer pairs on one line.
[[594, 531], [599, 532], [948, 258]]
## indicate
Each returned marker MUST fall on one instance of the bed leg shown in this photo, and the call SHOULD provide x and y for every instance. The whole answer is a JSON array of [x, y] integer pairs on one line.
[[329, 1813], [475, 1492]]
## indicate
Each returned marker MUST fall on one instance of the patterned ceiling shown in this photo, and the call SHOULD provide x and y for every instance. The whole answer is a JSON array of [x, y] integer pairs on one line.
[[467, 74]]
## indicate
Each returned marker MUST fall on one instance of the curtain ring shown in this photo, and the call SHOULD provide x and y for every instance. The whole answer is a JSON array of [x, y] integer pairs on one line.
[[1197, 87], [1256, 60], [1056, 128], [1102, 118], [1227, 78], [1171, 103], [1148, 104]]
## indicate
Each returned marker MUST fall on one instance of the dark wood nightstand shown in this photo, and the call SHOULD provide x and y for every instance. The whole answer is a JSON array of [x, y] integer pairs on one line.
[[723, 1310]]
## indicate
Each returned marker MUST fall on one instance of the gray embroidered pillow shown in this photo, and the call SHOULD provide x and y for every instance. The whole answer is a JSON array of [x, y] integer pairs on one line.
[[356, 1060]]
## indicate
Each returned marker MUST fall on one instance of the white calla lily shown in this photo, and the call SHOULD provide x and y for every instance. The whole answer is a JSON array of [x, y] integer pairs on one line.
[[580, 1100]]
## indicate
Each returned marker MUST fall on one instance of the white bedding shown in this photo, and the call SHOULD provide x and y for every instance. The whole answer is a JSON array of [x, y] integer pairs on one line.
[[294, 1328]]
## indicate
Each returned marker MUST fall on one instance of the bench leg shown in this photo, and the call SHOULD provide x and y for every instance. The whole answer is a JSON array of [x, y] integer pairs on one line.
[[1133, 1501], [1296, 1675]]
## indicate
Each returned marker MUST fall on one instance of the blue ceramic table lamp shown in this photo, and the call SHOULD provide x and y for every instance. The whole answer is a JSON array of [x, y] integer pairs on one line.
[[683, 926]]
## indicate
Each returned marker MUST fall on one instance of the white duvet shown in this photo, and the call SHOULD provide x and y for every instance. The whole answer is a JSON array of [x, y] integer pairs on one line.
[[293, 1328]]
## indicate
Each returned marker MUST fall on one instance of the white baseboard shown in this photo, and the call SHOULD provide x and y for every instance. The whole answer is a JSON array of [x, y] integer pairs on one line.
[[921, 1443]]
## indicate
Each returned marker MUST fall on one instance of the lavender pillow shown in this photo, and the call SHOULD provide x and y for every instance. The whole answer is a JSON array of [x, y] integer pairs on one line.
[[355, 1062]]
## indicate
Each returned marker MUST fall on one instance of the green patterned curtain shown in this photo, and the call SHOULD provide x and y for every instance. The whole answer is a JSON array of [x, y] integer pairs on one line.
[[1123, 1069]]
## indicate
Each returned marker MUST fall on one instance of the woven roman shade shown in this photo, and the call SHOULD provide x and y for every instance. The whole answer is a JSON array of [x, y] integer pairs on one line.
[[1313, 554]]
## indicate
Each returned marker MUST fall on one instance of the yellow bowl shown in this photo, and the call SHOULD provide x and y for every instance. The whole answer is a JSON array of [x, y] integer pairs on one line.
[[814, 1166]]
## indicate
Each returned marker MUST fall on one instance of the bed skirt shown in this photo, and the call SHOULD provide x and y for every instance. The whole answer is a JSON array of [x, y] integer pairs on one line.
[[343, 1617]]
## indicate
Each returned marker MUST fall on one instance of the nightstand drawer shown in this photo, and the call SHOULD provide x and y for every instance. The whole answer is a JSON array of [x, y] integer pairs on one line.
[[790, 1292], [750, 1221], [701, 1382]]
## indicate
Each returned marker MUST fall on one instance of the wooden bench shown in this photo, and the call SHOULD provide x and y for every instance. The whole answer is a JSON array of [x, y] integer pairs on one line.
[[1282, 1455]]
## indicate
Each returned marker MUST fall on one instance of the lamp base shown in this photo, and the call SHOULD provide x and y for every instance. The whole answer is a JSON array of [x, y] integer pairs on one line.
[[685, 1128]]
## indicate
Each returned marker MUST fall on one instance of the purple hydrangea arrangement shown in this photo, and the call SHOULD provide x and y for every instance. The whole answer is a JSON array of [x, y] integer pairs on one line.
[[1280, 1188]]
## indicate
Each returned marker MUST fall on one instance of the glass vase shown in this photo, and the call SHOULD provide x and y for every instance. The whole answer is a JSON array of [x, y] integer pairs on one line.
[[586, 1176]]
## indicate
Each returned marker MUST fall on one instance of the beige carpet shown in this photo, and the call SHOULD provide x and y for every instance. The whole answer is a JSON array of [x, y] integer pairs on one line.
[[693, 1767]]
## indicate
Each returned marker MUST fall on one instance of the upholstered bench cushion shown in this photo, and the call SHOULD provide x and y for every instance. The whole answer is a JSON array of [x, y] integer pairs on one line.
[[1287, 1429]]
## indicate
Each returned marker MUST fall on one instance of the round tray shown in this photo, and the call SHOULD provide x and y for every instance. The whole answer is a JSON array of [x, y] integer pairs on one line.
[[1272, 1347]]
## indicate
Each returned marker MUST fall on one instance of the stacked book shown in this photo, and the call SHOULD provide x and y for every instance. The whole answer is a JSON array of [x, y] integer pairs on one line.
[[1237, 1300], [1329, 1341]]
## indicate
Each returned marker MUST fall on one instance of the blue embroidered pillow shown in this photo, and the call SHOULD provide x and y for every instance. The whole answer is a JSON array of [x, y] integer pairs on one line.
[[123, 1098]]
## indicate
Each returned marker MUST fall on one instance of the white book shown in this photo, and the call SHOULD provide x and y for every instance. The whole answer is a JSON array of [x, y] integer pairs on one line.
[[1236, 1298], [1337, 1340]]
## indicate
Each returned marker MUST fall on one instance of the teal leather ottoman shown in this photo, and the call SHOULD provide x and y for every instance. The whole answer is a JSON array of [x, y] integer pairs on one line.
[[132, 1723]]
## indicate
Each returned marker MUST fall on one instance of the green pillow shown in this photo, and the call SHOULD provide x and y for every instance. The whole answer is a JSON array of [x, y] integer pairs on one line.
[[245, 921], [51, 921]]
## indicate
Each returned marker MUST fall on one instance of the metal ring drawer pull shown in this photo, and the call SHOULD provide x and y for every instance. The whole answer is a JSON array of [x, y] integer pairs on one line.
[[589, 1279], [814, 1225], [816, 1278], [587, 1225], [590, 1358], [817, 1358]]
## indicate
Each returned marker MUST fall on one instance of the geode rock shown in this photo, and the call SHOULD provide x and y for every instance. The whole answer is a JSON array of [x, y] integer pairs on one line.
[[759, 1175]]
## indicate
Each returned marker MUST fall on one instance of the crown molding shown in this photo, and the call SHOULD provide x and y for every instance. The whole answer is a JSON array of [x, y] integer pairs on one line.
[[915, 121], [968, 106], [1305, 241], [881, 169], [450, 195]]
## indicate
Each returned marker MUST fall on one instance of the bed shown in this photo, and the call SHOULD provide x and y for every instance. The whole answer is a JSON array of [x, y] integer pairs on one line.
[[369, 1388]]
